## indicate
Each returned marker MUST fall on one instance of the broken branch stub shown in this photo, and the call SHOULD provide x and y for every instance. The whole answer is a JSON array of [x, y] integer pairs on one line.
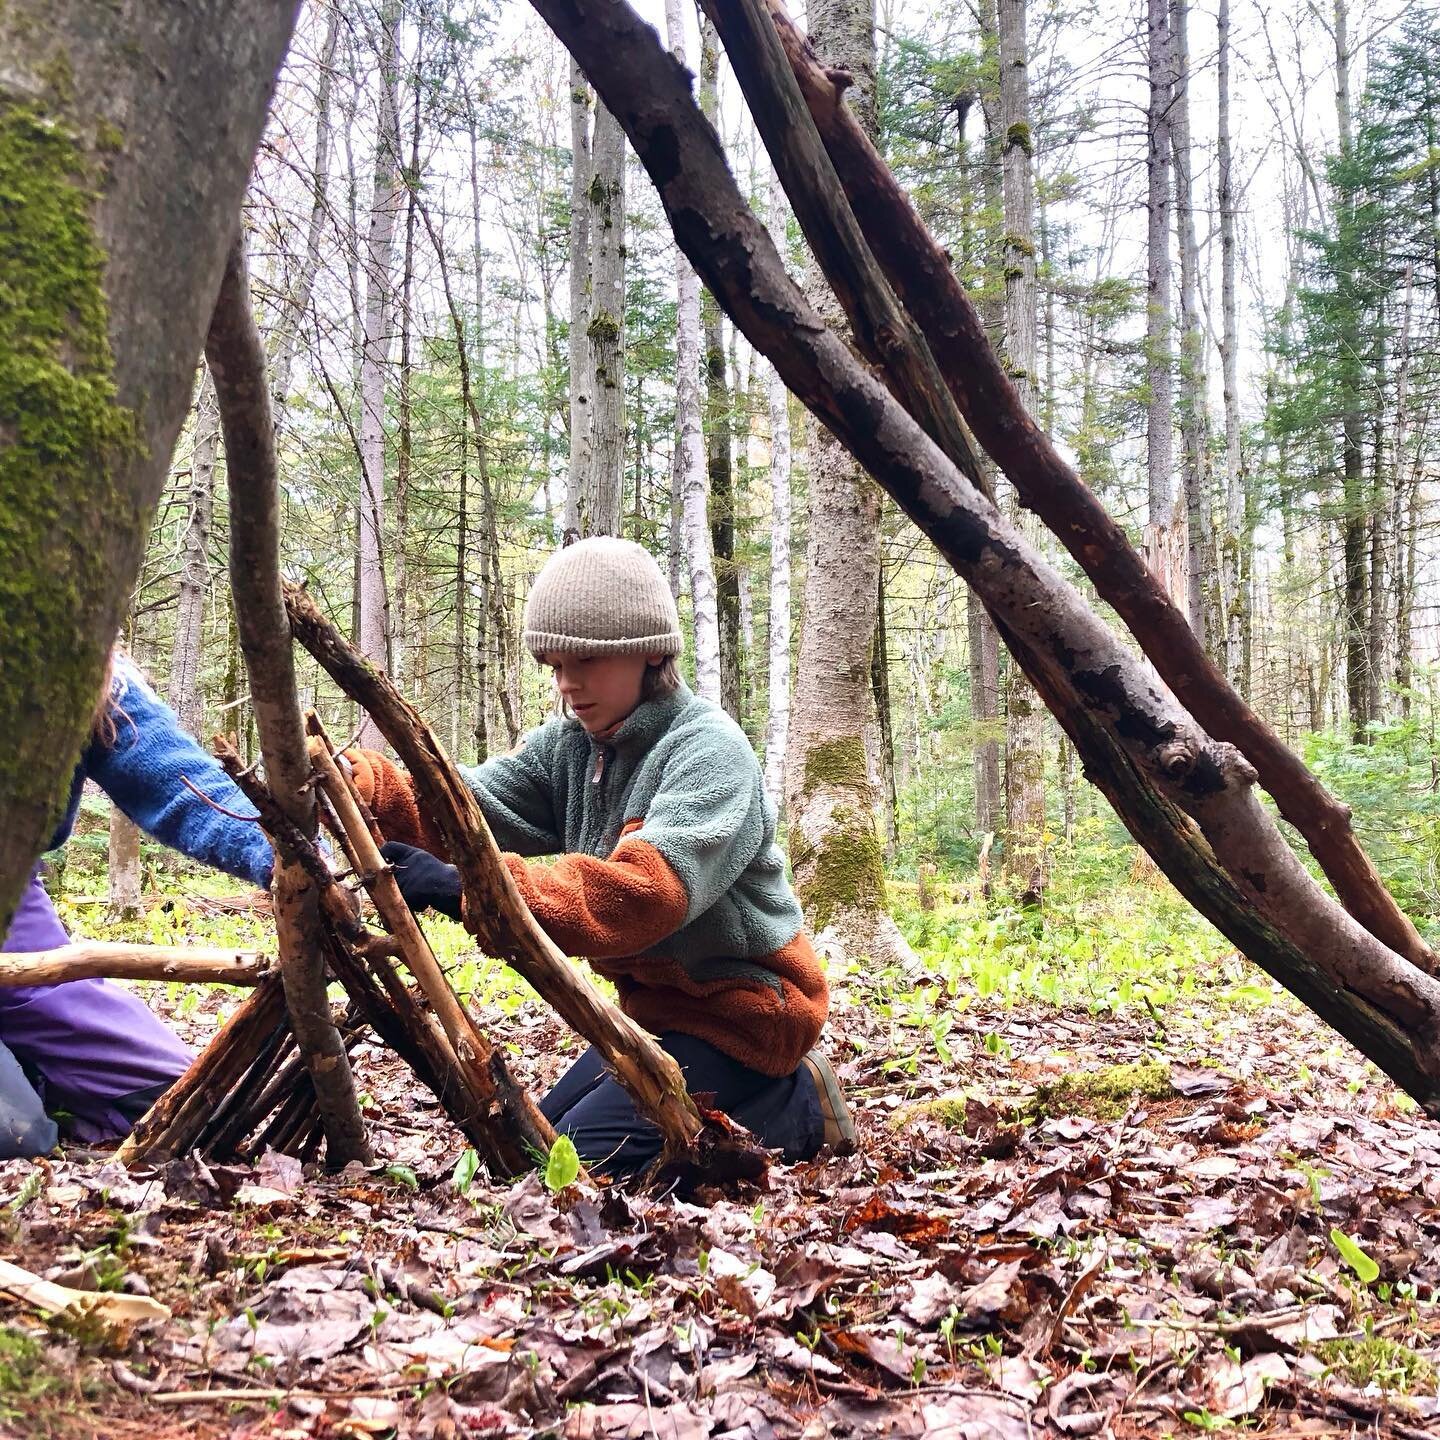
[[493, 908], [1206, 828]]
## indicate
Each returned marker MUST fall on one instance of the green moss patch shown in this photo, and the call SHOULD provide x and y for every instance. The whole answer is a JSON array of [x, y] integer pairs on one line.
[[837, 763], [64, 433], [848, 870], [1105, 1093]]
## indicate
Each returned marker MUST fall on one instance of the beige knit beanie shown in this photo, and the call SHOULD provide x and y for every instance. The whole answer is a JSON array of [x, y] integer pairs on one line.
[[602, 595]]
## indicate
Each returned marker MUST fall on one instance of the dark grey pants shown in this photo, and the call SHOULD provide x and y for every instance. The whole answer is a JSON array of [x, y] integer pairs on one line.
[[590, 1106]]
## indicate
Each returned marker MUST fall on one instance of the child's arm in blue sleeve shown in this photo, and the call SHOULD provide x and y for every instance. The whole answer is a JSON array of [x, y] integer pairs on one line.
[[144, 771]]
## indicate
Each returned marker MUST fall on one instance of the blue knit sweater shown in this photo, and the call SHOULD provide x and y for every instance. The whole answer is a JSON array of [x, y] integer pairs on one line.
[[141, 772]]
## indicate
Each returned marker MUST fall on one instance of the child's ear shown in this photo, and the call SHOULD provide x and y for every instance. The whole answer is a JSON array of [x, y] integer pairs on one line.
[[654, 661]]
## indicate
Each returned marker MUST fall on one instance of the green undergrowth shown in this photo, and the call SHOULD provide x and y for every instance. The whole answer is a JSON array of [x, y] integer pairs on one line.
[[1380, 1361], [1103, 942], [1133, 945], [40, 1389]]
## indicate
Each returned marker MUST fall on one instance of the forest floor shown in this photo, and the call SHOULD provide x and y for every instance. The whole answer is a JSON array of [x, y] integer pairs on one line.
[[1114, 1215]]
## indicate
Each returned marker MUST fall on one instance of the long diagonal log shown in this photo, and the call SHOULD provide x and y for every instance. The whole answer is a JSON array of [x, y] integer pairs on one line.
[[518, 1125], [926, 283], [478, 1092], [493, 908], [1189, 799], [94, 959]]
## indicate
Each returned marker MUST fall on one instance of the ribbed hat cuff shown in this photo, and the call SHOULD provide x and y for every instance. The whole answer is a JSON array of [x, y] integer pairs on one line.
[[544, 642]]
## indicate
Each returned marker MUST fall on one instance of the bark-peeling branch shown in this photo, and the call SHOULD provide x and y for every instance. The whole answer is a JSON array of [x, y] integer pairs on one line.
[[1187, 798]]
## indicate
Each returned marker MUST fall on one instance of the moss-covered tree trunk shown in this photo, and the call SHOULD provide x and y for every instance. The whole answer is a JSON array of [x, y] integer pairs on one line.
[[126, 138], [830, 797]]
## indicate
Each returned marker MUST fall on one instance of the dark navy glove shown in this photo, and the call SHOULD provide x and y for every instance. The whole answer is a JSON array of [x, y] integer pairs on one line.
[[425, 882]]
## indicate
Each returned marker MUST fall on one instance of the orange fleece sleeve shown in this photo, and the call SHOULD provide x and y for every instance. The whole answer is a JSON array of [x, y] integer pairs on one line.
[[604, 909], [390, 794]]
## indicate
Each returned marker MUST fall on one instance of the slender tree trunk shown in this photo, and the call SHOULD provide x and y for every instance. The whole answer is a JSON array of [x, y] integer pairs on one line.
[[582, 370], [1354, 523], [184, 691], [1402, 526], [285, 338], [602, 509], [1024, 857], [718, 430], [689, 472], [385, 205], [1159, 380], [1238, 541], [127, 177], [1379, 511], [984, 643], [777, 400], [405, 429], [830, 799], [124, 868], [1194, 411], [884, 721]]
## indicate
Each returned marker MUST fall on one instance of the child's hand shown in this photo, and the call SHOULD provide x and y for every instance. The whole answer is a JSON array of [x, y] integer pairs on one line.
[[425, 882]]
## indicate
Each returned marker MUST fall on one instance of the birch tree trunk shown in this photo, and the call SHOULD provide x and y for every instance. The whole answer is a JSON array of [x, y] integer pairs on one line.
[[582, 371], [1194, 412], [128, 134], [830, 800], [688, 475], [1024, 859], [285, 337], [1159, 439], [386, 200], [184, 690], [601, 510], [1234, 592], [777, 404], [718, 431]]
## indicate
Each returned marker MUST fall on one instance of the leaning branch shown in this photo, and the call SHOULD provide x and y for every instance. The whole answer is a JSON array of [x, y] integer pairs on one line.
[[237, 361], [1188, 799], [921, 274]]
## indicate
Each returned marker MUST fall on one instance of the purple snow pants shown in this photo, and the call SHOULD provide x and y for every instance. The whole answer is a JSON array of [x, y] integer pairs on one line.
[[87, 1049]]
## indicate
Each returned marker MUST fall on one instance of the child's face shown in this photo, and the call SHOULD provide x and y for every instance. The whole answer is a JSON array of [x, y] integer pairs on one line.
[[601, 690]]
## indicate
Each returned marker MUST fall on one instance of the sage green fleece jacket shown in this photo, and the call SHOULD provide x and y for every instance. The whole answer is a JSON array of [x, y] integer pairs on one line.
[[670, 880]]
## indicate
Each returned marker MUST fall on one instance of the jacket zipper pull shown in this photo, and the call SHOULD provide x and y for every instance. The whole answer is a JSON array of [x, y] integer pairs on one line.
[[599, 765]]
